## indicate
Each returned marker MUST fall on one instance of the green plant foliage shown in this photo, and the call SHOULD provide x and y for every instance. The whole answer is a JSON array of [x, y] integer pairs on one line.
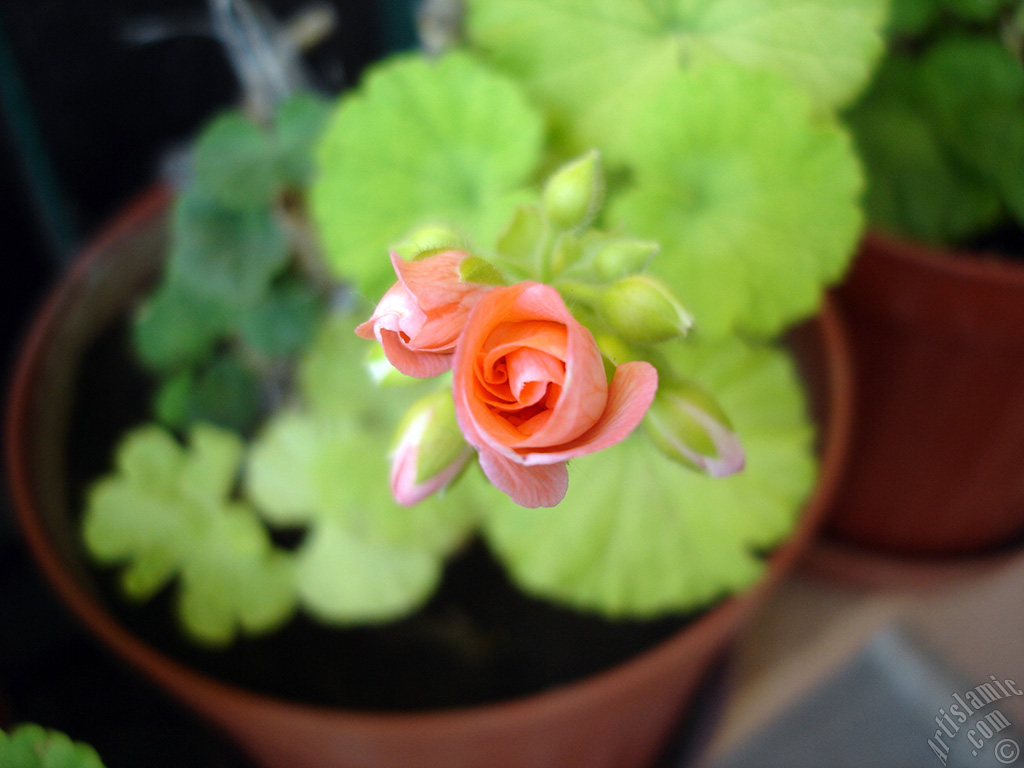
[[687, 539], [298, 124], [223, 255], [31, 746], [167, 511], [942, 138], [226, 393], [753, 200], [223, 392], [175, 328], [420, 142], [284, 323], [326, 467], [235, 163], [593, 63], [916, 17]]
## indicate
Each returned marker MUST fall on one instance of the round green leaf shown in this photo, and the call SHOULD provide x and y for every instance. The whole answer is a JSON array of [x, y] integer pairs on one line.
[[420, 142], [346, 579], [687, 539], [31, 746], [753, 199], [223, 255], [235, 162], [592, 63]]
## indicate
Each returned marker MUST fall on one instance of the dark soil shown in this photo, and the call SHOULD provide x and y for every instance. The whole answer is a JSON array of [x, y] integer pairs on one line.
[[478, 640]]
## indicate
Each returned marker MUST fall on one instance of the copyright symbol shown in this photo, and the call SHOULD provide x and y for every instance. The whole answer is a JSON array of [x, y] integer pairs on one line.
[[1007, 751]]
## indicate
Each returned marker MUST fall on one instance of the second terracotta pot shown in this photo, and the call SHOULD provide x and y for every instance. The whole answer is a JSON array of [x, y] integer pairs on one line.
[[937, 461], [619, 718]]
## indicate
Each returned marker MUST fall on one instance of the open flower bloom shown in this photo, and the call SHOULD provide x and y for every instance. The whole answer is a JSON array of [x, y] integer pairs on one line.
[[421, 316], [531, 392]]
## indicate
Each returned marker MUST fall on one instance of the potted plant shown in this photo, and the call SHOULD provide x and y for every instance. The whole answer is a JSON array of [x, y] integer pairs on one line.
[[569, 635], [935, 297]]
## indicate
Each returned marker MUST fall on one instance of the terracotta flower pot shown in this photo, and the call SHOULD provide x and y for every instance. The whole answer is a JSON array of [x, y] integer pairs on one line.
[[937, 463], [619, 718]]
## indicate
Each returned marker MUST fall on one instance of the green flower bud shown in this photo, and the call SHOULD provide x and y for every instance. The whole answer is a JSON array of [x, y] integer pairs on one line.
[[642, 310], [575, 192], [620, 258], [428, 240], [429, 450], [689, 426], [475, 270]]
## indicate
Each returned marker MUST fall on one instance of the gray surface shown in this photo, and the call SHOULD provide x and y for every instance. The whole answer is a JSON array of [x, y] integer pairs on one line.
[[878, 711]]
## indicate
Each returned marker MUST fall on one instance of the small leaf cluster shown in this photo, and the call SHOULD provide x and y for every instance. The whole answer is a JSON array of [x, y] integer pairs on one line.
[[232, 300], [32, 746], [197, 516], [941, 129]]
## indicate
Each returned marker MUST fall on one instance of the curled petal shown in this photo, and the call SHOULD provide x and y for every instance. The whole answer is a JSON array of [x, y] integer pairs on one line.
[[539, 486], [629, 396]]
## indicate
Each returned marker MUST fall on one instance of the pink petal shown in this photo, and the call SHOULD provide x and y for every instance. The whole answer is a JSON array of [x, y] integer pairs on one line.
[[629, 396], [540, 486], [419, 365], [434, 281]]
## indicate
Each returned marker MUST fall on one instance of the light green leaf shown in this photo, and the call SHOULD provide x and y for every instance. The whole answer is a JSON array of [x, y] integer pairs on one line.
[[31, 746], [166, 512], [420, 142], [326, 466], [346, 579], [687, 540], [235, 163], [228, 257], [330, 462], [591, 63], [753, 200]]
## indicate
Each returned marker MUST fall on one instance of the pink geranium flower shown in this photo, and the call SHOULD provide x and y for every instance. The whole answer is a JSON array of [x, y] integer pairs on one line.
[[531, 392], [421, 316]]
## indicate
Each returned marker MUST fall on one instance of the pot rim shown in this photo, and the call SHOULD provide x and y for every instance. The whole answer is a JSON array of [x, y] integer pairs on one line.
[[957, 263], [838, 379]]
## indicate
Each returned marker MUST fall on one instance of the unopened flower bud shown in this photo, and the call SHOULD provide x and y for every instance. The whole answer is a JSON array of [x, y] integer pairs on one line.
[[688, 425], [430, 450], [642, 310], [476, 270], [428, 240], [623, 257], [575, 192]]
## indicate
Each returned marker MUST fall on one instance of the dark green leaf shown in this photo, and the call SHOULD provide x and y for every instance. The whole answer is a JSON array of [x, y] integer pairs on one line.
[[176, 328], [173, 401], [227, 394], [283, 323], [298, 125], [223, 255], [236, 163]]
